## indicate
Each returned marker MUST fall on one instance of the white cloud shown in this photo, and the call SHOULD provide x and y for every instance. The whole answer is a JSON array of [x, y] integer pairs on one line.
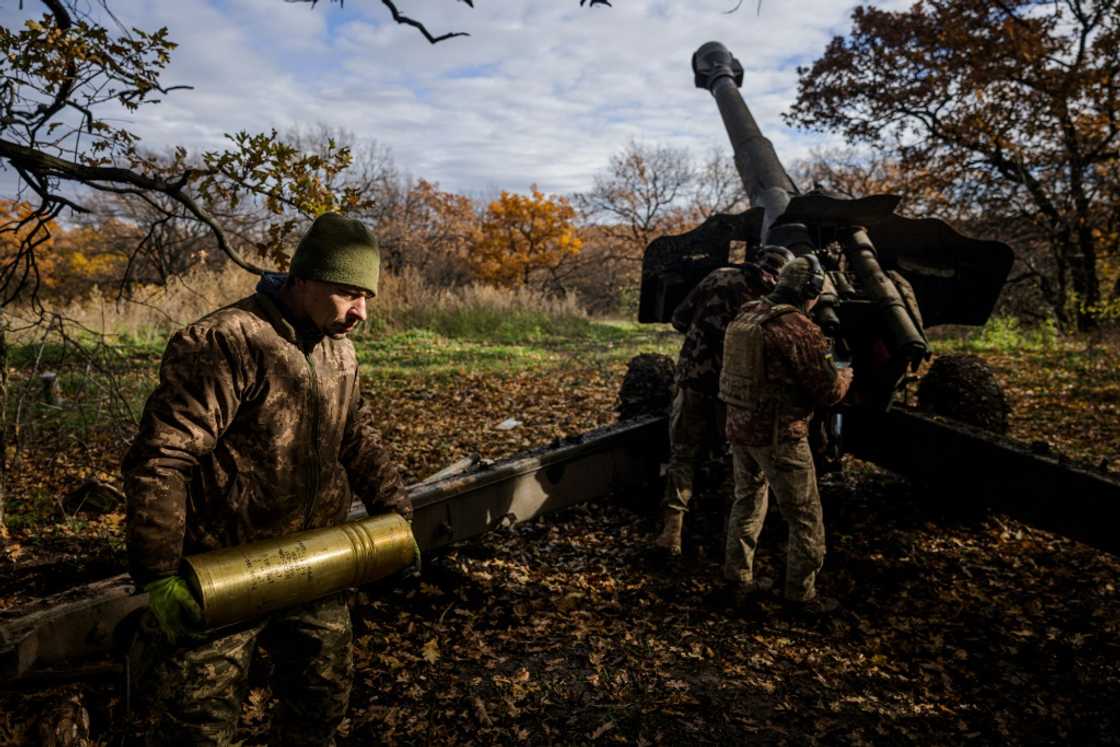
[[543, 91]]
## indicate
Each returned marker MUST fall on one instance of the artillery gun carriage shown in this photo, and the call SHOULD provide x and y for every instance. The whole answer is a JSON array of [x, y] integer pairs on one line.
[[889, 277]]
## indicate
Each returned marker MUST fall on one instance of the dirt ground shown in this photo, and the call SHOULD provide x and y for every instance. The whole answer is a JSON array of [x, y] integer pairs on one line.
[[955, 626]]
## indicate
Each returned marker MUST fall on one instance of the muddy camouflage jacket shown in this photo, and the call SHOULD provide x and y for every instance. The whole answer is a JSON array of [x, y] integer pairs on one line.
[[703, 317], [800, 376], [253, 432]]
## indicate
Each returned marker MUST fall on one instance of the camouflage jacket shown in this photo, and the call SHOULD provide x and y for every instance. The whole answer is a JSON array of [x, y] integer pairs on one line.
[[251, 433], [703, 317], [799, 377]]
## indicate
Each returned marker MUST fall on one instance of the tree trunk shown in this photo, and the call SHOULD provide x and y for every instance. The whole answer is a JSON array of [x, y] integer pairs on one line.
[[1060, 296], [1083, 251], [3, 418], [1086, 285]]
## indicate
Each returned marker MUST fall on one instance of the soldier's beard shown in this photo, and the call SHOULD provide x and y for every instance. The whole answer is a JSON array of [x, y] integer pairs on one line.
[[338, 330]]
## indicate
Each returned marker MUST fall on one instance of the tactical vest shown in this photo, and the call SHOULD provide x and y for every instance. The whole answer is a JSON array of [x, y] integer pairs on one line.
[[743, 380]]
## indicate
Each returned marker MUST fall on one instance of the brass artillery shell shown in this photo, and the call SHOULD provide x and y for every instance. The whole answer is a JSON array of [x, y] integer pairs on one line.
[[245, 582]]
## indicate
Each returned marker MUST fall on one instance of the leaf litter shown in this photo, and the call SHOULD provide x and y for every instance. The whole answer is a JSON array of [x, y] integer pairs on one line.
[[955, 626]]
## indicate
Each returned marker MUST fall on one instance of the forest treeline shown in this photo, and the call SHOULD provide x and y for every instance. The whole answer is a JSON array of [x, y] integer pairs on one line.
[[588, 244], [1003, 118], [585, 245]]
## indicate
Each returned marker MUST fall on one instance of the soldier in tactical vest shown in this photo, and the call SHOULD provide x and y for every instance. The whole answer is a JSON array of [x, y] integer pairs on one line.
[[696, 419], [258, 429], [777, 369]]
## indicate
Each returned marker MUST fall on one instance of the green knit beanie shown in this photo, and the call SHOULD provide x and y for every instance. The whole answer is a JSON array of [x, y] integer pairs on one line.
[[338, 250]]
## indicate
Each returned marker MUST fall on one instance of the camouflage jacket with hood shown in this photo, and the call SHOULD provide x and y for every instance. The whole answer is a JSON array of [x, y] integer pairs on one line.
[[255, 430], [798, 376], [703, 317]]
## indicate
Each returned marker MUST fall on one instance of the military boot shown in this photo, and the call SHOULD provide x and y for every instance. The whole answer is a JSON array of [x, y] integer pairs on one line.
[[669, 541], [815, 607]]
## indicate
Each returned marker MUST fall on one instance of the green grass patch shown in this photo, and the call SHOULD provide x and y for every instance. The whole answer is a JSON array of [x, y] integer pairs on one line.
[[500, 327], [425, 352], [1003, 334], [494, 324], [115, 351]]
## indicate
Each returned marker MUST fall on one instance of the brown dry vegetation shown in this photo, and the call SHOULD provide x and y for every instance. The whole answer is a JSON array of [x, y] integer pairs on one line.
[[956, 626]]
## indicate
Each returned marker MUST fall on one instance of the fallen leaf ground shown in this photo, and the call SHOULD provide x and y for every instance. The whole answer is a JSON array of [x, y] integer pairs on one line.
[[955, 627]]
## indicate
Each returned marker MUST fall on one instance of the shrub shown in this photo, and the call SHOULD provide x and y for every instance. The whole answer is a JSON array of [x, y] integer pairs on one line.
[[1004, 334]]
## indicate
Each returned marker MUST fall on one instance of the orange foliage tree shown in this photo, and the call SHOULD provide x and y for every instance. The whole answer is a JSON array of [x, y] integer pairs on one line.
[[525, 234], [91, 255], [21, 228]]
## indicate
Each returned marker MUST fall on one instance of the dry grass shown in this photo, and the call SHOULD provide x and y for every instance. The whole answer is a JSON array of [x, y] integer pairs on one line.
[[405, 301], [151, 313]]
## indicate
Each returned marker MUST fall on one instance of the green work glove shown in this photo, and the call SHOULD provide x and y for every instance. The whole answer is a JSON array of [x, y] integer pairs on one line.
[[175, 610], [416, 556]]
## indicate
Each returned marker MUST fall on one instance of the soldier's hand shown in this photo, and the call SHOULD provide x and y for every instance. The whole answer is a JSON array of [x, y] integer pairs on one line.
[[417, 563], [175, 610]]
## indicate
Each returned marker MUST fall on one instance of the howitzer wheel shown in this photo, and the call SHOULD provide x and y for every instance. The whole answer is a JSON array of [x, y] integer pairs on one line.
[[963, 388], [647, 388]]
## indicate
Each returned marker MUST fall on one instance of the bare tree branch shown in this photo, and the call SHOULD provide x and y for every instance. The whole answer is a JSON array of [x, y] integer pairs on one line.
[[403, 19], [110, 178], [400, 18]]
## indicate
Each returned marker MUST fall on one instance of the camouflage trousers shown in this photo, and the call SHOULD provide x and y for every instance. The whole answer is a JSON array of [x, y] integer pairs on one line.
[[196, 693], [787, 469], [695, 423]]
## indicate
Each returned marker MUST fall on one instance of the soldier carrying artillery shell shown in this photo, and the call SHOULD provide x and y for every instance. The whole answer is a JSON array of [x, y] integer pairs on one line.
[[258, 429]]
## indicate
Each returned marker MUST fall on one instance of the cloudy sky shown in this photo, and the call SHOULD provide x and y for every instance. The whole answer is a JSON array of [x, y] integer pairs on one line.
[[542, 91]]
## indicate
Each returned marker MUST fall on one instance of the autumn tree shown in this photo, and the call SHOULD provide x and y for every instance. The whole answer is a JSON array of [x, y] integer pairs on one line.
[[65, 78], [428, 230], [418, 225], [717, 188], [854, 173], [645, 191], [1012, 105], [20, 217], [641, 194], [522, 236]]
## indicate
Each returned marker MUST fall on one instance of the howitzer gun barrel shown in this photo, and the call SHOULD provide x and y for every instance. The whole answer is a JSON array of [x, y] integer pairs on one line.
[[762, 173]]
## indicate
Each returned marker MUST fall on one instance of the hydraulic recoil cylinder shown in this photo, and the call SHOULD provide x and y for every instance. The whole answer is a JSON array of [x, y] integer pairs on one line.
[[904, 335]]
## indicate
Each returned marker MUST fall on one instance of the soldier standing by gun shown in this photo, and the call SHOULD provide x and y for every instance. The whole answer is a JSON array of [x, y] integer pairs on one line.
[[256, 430], [777, 370], [697, 415]]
